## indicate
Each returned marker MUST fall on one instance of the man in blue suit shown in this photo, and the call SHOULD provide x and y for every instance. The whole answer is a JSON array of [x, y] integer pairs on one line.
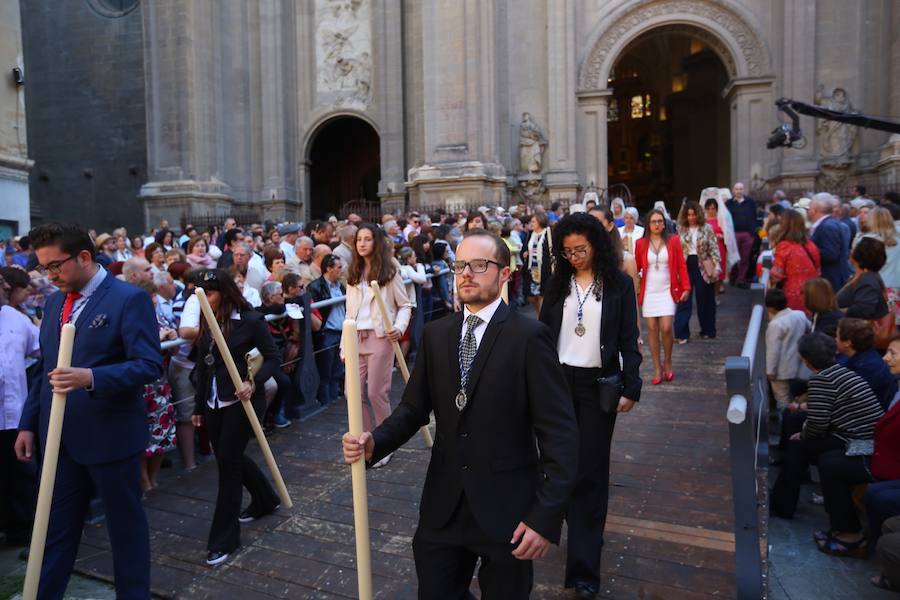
[[832, 238], [105, 431]]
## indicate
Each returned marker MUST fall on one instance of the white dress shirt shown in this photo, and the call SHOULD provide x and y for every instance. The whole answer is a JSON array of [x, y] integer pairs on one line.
[[485, 314], [20, 340], [580, 351]]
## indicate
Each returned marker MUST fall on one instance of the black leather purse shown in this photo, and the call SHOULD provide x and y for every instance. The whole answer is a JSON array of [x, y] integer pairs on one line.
[[609, 391]]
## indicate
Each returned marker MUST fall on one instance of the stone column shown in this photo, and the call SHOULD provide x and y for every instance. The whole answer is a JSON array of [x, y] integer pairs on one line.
[[752, 115], [277, 42], [560, 176], [593, 107], [798, 82], [180, 69], [460, 103], [388, 47]]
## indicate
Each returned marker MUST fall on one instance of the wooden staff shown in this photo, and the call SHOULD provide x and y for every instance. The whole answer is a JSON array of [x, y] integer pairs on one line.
[[222, 345], [48, 471], [404, 370], [353, 391]]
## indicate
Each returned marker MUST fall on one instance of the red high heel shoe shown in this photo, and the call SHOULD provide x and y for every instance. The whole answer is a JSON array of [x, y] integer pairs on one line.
[[670, 376], [656, 380]]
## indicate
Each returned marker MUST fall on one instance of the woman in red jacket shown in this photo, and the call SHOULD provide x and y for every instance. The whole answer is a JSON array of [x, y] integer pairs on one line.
[[840, 473], [664, 283]]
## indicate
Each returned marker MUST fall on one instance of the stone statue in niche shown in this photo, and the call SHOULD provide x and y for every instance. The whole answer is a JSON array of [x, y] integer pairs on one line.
[[835, 140], [532, 144]]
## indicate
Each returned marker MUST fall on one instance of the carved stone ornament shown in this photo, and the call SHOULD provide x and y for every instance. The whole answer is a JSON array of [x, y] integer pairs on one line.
[[532, 144], [344, 50], [531, 187], [755, 61], [835, 140]]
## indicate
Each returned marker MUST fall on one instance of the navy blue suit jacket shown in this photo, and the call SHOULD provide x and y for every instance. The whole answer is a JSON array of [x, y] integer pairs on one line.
[[832, 238], [117, 336]]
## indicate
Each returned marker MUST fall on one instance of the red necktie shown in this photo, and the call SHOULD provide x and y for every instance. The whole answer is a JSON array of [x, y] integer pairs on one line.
[[71, 297]]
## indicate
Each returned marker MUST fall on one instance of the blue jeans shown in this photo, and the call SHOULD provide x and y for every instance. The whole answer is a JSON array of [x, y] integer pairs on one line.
[[330, 367], [706, 304]]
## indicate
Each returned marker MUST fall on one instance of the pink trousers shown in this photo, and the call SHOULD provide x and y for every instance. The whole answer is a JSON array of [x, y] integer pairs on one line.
[[376, 361]]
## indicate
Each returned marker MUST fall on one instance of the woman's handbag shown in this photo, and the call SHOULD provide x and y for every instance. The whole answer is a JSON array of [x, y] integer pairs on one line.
[[254, 363], [710, 270], [609, 391]]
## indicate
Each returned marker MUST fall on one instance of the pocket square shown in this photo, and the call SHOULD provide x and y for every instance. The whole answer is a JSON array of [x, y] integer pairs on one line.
[[98, 322]]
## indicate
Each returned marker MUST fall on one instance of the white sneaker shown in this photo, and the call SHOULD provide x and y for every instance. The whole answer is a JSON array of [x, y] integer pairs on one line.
[[383, 462]]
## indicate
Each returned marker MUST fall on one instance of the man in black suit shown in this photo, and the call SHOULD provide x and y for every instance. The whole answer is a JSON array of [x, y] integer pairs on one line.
[[488, 494]]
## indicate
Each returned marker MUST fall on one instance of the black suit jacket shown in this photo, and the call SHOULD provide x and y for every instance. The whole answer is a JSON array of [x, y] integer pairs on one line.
[[618, 333], [247, 333], [517, 396]]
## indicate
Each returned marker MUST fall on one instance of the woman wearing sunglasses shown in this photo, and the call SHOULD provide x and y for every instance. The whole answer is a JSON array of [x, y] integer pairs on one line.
[[591, 310]]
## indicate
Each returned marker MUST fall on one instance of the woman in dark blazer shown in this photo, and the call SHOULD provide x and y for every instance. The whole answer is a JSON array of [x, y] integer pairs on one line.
[[217, 404], [591, 310], [863, 296]]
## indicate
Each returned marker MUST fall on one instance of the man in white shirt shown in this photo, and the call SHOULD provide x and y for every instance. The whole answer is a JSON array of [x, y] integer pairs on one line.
[[344, 250], [165, 294], [412, 225], [289, 234], [254, 275], [302, 257], [20, 342]]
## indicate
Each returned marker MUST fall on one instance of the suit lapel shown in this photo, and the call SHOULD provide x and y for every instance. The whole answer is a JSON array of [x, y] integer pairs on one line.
[[87, 313], [484, 349], [453, 335]]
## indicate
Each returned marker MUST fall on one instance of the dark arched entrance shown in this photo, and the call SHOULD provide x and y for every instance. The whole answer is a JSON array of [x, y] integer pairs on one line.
[[344, 165], [668, 124]]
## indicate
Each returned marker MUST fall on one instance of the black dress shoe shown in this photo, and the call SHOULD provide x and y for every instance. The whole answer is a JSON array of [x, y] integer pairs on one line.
[[585, 590], [248, 516], [216, 558]]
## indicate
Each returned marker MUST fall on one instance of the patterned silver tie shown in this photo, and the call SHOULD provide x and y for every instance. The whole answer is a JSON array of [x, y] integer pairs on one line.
[[467, 350]]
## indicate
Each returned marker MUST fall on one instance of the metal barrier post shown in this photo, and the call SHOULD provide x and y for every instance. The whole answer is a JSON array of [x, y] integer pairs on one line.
[[742, 441]]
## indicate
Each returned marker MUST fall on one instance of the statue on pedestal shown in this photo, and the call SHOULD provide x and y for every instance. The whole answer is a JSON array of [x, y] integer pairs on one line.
[[835, 140]]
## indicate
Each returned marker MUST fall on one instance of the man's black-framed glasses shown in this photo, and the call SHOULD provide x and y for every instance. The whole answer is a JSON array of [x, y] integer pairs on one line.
[[478, 265], [56, 266]]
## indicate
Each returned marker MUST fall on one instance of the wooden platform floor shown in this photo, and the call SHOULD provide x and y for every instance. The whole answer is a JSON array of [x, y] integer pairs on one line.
[[669, 534]]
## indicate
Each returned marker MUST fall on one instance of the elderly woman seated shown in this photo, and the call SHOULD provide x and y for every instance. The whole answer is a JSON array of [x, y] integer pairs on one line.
[[841, 410], [286, 333]]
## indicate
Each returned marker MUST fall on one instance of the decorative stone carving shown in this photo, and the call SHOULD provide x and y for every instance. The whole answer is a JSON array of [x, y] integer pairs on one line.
[[344, 50], [531, 187], [532, 144], [755, 58], [835, 140]]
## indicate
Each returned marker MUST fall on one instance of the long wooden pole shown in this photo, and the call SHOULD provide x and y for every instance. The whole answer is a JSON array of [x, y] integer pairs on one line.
[[353, 390], [404, 369], [48, 471], [222, 345]]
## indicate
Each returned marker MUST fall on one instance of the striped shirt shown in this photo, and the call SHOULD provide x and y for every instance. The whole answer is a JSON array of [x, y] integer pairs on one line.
[[841, 404]]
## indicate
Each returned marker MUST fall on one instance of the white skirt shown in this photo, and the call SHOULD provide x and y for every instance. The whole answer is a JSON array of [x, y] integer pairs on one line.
[[658, 304]]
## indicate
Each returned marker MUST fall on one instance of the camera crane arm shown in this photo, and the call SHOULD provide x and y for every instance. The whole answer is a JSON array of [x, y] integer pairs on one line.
[[788, 135]]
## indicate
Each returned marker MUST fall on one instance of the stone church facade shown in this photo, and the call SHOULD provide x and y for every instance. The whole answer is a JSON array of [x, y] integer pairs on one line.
[[470, 102]]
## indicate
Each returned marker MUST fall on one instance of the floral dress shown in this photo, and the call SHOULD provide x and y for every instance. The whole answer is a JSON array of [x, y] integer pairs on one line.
[[160, 412]]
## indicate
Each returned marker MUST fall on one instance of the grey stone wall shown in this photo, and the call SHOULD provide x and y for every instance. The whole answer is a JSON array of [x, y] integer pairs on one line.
[[86, 116]]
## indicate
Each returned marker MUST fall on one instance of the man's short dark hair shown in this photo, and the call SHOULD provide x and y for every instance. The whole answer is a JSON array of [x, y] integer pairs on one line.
[[776, 299], [24, 243], [328, 261], [818, 349], [68, 237], [231, 235], [858, 332], [861, 190], [555, 206], [502, 254], [15, 277]]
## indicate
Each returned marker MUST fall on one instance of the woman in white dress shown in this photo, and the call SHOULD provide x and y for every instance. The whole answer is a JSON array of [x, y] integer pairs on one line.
[[664, 283]]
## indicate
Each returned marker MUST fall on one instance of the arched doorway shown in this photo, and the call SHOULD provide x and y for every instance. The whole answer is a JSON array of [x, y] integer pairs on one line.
[[344, 165], [667, 120]]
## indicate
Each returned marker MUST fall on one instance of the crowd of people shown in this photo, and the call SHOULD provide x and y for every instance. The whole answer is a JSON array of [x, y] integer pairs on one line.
[[833, 353]]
